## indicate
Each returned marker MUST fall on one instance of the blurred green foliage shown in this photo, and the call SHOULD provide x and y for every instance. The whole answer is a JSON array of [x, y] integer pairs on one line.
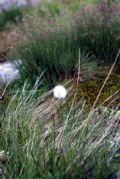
[[12, 15]]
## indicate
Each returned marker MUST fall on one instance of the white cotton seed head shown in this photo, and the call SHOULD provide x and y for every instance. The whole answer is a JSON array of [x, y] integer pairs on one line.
[[59, 92]]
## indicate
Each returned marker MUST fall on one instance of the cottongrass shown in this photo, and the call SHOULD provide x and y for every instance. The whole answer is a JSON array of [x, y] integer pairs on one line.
[[49, 138], [59, 92]]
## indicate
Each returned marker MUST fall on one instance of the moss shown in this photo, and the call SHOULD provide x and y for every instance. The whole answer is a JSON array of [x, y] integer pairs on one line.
[[91, 88]]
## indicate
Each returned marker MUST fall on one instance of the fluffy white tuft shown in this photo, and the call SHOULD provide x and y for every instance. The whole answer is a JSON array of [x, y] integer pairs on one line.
[[59, 92]]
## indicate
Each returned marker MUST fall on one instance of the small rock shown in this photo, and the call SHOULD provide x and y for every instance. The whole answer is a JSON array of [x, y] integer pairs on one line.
[[8, 72]]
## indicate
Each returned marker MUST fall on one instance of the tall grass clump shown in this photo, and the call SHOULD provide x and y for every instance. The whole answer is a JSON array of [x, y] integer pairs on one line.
[[46, 138], [58, 62], [54, 54]]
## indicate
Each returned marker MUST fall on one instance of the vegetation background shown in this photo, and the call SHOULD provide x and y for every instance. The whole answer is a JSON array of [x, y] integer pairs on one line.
[[76, 44]]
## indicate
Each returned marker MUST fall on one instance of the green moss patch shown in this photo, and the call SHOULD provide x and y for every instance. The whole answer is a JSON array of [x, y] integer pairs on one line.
[[90, 89]]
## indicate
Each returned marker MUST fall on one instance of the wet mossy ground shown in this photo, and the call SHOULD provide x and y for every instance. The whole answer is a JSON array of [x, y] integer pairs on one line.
[[90, 89]]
